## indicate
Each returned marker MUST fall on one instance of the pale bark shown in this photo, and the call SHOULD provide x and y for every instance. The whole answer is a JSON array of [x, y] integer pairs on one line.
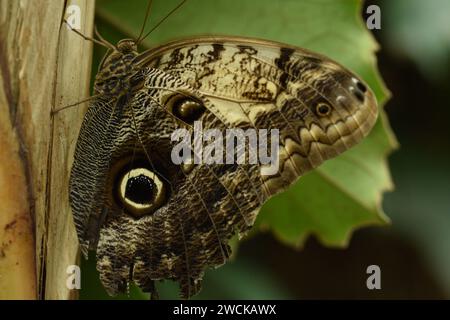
[[43, 65]]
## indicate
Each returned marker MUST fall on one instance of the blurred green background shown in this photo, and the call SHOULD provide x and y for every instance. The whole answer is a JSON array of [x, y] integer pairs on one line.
[[414, 57]]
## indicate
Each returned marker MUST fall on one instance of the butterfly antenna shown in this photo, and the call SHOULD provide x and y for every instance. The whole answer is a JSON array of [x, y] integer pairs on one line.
[[147, 12], [162, 20], [103, 42]]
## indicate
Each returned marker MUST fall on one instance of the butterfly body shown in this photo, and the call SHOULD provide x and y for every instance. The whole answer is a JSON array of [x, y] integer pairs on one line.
[[150, 219]]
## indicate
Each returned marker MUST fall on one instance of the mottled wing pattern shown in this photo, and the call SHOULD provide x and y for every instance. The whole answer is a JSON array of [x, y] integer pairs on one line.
[[241, 83], [262, 84]]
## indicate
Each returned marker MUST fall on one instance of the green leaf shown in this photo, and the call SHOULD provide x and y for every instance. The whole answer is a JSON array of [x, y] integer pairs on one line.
[[344, 193]]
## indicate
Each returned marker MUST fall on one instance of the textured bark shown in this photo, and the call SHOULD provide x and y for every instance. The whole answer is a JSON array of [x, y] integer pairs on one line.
[[43, 65]]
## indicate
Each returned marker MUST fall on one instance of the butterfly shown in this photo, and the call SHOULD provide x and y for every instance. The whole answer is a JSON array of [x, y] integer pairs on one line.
[[151, 219]]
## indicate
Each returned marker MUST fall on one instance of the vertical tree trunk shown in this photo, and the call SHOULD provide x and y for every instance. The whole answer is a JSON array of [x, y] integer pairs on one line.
[[43, 65]]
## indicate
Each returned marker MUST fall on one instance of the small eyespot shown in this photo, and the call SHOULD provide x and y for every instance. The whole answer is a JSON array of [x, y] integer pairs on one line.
[[140, 191], [357, 93], [358, 90], [186, 108], [126, 45], [323, 109], [361, 86]]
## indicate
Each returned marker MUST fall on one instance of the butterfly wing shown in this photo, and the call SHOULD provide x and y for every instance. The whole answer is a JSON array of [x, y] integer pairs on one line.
[[264, 84], [124, 153]]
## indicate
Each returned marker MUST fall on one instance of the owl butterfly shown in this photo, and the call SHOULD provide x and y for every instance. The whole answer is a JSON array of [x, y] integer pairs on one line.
[[149, 219]]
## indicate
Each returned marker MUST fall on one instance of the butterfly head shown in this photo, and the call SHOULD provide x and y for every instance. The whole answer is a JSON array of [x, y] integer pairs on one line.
[[127, 46]]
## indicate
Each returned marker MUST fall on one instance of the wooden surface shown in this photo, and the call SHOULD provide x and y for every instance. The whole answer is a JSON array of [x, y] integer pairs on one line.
[[43, 65]]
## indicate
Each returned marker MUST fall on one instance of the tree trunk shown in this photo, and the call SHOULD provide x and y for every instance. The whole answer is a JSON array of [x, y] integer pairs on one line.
[[43, 66]]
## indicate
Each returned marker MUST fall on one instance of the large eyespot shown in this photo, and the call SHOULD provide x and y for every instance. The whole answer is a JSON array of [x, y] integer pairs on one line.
[[186, 108], [323, 109], [140, 191]]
